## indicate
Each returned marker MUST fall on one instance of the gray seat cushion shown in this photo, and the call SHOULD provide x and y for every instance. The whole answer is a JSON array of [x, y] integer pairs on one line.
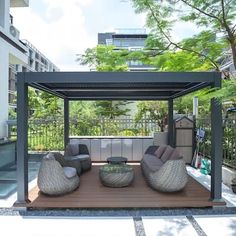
[[80, 157], [152, 162], [69, 172], [83, 156]]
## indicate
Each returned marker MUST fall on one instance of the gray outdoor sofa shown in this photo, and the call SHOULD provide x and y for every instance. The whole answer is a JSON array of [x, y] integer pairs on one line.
[[78, 155], [75, 155], [164, 169]]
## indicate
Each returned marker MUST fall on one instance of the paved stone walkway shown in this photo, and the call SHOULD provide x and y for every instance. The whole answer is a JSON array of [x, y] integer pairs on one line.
[[118, 226]]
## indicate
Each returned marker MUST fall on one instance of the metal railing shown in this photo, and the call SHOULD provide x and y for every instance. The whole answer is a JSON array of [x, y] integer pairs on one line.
[[48, 134], [229, 140]]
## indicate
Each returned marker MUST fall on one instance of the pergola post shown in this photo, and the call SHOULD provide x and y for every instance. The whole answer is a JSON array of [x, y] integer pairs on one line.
[[22, 140], [66, 122], [216, 149], [170, 123]]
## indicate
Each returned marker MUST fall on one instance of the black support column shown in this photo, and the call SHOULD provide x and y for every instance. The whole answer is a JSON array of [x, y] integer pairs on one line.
[[22, 140], [66, 122], [170, 123], [216, 149]]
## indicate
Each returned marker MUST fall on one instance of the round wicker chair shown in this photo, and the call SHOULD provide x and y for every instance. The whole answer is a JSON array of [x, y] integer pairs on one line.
[[171, 177], [52, 179], [164, 170]]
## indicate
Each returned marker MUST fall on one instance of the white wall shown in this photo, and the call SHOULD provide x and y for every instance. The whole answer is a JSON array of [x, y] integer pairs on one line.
[[4, 65], [4, 13]]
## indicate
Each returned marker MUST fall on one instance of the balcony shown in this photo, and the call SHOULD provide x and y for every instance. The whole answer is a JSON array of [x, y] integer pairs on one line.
[[19, 3]]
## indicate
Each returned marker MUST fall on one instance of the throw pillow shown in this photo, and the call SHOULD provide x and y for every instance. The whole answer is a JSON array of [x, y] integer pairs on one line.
[[158, 153], [167, 153], [74, 148], [49, 156], [175, 155], [69, 172]]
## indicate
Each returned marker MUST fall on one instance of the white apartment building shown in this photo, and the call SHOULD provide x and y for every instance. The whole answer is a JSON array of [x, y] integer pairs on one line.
[[36, 62], [12, 51]]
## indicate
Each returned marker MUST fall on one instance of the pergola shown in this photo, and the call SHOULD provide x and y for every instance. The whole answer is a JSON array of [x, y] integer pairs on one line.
[[117, 86]]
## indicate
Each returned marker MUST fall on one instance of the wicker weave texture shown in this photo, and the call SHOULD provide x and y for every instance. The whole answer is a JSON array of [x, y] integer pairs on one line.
[[52, 180], [116, 180], [171, 177]]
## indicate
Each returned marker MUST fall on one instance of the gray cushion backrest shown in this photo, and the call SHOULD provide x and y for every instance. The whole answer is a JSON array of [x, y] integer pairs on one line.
[[72, 149], [158, 153], [167, 153]]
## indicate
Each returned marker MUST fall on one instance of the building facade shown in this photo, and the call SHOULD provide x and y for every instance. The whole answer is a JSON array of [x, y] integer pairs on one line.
[[226, 62], [12, 51], [130, 39], [36, 62]]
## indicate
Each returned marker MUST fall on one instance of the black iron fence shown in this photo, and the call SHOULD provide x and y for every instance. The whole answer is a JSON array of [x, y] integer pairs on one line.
[[229, 140], [48, 134]]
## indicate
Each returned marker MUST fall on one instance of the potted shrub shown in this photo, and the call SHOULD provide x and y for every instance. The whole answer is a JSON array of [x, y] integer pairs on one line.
[[233, 184]]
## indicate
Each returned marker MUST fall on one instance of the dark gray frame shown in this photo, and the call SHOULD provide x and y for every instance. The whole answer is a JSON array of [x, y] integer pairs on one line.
[[113, 86]]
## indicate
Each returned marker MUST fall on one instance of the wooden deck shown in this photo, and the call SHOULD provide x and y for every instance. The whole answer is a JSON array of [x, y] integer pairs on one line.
[[92, 194]]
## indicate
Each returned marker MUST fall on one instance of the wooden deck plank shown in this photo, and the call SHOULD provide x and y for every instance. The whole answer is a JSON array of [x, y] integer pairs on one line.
[[92, 194]]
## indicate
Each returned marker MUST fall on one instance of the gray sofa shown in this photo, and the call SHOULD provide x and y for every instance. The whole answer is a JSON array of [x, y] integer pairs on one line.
[[75, 155], [164, 169]]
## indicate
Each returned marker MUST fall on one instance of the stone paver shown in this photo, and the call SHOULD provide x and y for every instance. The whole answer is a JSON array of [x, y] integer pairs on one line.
[[38, 226], [168, 226], [218, 225]]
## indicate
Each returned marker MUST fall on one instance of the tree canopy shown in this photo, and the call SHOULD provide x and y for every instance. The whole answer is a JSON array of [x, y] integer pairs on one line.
[[215, 17], [106, 58]]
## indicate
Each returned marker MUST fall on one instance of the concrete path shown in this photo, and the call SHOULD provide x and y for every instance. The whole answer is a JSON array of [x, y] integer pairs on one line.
[[117, 226]]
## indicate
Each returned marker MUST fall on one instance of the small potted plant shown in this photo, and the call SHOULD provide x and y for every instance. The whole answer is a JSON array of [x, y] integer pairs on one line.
[[233, 184]]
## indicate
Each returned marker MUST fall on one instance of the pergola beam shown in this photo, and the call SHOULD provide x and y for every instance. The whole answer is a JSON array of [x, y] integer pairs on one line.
[[47, 90], [190, 90], [120, 77]]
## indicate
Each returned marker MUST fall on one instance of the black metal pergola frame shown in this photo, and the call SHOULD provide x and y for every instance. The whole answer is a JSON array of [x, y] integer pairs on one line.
[[116, 86]]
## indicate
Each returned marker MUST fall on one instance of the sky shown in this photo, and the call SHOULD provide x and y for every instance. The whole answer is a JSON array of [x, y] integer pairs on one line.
[[61, 29]]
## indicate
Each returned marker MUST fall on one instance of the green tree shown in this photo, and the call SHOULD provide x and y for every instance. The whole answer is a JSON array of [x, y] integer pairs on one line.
[[217, 16], [43, 105], [105, 58], [111, 109], [179, 61], [154, 110]]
